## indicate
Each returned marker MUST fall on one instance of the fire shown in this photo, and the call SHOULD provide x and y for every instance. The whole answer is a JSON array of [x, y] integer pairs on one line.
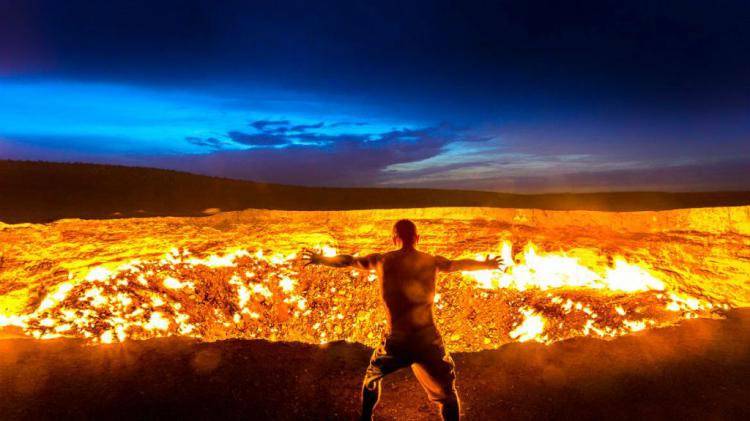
[[239, 275], [536, 296], [531, 328], [558, 270]]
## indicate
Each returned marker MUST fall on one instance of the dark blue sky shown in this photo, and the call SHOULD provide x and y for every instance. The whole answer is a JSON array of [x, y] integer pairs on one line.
[[522, 96]]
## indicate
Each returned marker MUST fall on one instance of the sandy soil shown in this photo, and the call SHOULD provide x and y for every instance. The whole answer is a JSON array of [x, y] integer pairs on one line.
[[698, 370]]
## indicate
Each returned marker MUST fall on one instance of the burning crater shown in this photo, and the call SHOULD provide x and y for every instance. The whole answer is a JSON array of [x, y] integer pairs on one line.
[[238, 275]]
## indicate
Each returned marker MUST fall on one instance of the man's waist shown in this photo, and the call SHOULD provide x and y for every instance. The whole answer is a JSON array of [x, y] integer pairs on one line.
[[400, 332]]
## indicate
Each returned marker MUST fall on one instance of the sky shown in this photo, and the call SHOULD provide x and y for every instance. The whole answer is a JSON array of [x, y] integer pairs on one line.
[[514, 96]]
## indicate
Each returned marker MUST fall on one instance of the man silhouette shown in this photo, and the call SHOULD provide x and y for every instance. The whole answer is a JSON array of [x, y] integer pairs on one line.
[[407, 285]]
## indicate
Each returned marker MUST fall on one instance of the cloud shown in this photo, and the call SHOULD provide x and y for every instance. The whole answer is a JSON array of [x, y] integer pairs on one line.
[[269, 125], [311, 156], [560, 155], [347, 123], [258, 140], [206, 142], [281, 127], [305, 127], [602, 176], [507, 159]]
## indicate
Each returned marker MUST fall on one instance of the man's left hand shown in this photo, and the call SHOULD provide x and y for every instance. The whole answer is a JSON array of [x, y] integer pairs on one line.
[[493, 262]]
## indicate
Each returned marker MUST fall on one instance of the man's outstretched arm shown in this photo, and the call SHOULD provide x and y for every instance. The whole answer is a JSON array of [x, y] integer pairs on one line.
[[342, 260], [448, 265]]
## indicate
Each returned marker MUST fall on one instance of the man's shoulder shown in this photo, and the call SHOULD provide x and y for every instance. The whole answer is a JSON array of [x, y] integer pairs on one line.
[[388, 254], [427, 257]]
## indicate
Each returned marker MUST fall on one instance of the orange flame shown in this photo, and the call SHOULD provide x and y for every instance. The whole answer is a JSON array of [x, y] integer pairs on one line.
[[538, 296]]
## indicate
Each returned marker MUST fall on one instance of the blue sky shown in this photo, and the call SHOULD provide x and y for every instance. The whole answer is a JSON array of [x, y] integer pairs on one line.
[[109, 118], [506, 96]]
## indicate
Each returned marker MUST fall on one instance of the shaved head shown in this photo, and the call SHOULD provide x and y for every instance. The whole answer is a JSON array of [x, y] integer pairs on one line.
[[406, 232]]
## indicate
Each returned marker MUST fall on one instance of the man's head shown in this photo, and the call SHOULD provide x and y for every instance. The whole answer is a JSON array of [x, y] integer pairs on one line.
[[405, 233]]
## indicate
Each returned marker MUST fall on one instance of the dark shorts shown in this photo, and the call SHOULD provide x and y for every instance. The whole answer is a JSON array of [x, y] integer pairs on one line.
[[425, 353]]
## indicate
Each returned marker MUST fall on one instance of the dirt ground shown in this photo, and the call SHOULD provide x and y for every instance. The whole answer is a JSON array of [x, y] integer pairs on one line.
[[698, 370], [47, 191]]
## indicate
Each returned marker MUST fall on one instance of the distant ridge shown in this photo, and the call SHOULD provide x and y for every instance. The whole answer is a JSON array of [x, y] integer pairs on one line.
[[46, 191]]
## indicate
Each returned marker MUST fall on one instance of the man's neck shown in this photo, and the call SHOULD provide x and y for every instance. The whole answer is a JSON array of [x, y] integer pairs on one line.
[[408, 248]]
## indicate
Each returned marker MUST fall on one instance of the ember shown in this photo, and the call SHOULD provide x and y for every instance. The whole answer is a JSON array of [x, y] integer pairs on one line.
[[545, 294]]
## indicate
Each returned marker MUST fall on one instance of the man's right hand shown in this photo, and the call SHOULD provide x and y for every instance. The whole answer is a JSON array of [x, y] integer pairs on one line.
[[311, 257]]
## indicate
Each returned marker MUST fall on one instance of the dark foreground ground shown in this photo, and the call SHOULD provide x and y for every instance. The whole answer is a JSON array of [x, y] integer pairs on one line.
[[699, 370], [47, 191]]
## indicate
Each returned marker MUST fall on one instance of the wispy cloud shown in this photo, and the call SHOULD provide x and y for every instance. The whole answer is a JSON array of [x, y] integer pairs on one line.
[[206, 142], [309, 154]]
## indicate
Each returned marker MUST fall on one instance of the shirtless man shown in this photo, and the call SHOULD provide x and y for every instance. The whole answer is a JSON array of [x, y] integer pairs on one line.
[[407, 284]]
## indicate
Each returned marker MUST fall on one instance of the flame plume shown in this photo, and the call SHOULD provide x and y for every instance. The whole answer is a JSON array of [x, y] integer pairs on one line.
[[254, 295], [262, 293]]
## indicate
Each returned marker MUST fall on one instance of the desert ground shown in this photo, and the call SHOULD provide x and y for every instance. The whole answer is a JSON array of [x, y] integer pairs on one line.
[[47, 191], [695, 371]]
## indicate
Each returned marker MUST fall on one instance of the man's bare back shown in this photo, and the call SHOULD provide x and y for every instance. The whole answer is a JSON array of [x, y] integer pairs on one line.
[[407, 286]]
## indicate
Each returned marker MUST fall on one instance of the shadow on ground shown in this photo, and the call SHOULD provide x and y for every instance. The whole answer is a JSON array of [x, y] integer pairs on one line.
[[698, 370]]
